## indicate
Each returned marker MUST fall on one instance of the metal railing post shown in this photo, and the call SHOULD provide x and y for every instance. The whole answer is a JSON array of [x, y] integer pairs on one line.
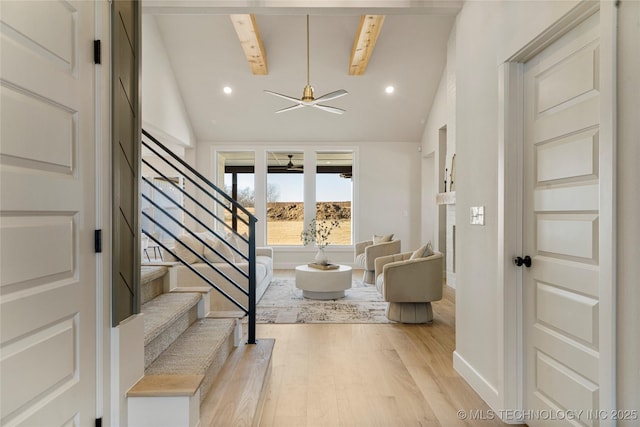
[[252, 280]]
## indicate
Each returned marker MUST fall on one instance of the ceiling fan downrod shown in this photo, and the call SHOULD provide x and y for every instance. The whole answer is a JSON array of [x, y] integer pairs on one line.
[[307, 93], [308, 100]]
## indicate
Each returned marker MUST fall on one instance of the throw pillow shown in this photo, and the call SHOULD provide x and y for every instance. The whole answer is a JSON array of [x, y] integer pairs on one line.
[[186, 254], [422, 251], [429, 250], [219, 246], [204, 235], [238, 243], [381, 239]]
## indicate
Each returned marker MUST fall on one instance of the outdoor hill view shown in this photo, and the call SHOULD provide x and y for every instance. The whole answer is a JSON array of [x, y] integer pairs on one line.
[[285, 219]]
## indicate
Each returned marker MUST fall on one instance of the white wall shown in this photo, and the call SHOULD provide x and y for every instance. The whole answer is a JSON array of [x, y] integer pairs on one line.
[[441, 114], [429, 210], [440, 124], [486, 34], [389, 180], [430, 144], [520, 21], [163, 112], [476, 184], [386, 192]]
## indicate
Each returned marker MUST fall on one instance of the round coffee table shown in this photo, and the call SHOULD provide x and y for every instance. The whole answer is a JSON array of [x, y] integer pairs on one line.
[[323, 284]]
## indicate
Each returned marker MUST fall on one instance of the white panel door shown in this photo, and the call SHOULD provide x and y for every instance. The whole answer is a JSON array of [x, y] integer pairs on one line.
[[561, 228], [47, 214]]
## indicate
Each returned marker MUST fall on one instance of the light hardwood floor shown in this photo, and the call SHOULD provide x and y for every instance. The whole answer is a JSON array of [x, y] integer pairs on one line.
[[369, 375]]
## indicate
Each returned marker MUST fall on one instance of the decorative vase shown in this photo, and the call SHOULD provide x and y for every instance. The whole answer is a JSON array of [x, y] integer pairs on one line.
[[321, 257]]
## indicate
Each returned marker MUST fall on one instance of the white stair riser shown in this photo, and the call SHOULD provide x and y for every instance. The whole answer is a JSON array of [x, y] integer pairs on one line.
[[174, 411]]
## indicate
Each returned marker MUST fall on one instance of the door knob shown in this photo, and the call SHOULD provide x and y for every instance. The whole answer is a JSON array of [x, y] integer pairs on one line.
[[519, 261]]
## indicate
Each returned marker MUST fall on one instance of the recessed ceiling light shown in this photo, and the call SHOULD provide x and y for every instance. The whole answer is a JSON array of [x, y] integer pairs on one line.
[[227, 90], [389, 89]]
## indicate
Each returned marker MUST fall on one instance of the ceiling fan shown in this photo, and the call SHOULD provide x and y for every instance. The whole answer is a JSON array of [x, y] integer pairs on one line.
[[290, 166], [308, 99]]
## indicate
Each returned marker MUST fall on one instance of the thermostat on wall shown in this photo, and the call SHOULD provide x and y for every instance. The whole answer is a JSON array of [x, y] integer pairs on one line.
[[477, 215]]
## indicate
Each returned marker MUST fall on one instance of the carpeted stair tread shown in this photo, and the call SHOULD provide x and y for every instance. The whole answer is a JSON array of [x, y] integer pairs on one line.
[[152, 280], [195, 350], [162, 311]]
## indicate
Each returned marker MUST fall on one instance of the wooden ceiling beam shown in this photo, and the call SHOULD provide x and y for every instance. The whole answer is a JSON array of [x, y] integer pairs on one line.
[[249, 35], [365, 41]]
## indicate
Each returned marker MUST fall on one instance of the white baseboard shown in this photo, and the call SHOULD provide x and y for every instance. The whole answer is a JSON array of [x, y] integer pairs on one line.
[[451, 279], [487, 392]]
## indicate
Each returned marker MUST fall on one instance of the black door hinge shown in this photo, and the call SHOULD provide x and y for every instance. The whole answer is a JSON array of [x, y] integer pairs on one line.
[[97, 52], [98, 241], [98, 422]]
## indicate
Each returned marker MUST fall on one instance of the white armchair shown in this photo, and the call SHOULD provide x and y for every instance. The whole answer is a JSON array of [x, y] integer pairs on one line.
[[409, 285], [367, 252]]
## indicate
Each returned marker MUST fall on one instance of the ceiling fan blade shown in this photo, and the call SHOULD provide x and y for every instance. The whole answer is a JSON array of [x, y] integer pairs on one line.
[[290, 98], [293, 107], [331, 95], [291, 167], [333, 110]]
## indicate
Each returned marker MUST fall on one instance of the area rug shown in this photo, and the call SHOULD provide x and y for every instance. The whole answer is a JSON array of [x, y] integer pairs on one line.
[[283, 303]]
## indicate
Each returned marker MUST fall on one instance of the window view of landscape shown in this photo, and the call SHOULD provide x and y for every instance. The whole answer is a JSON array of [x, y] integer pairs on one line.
[[237, 169], [285, 196], [246, 197], [334, 193]]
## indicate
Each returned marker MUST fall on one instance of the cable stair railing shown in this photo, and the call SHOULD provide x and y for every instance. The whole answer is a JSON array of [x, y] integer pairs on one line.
[[204, 217]]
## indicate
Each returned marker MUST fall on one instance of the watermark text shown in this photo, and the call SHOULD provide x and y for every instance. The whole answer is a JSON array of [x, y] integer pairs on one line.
[[547, 415]]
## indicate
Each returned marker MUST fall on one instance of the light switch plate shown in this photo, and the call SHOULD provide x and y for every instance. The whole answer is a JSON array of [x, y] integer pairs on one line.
[[477, 215]]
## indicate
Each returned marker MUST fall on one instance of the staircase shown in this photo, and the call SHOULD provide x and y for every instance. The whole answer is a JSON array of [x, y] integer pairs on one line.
[[195, 366], [200, 368]]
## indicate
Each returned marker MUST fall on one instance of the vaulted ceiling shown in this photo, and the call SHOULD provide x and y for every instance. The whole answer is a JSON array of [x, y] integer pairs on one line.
[[206, 55]]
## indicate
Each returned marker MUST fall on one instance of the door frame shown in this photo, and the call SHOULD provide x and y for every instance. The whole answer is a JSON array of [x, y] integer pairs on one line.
[[430, 219], [510, 206], [102, 105]]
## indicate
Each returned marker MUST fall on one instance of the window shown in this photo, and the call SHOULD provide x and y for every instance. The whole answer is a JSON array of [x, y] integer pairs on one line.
[[326, 188], [285, 198], [334, 193], [236, 172]]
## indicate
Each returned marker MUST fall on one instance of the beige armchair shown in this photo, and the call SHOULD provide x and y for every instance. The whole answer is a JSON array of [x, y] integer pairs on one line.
[[367, 252], [409, 285]]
